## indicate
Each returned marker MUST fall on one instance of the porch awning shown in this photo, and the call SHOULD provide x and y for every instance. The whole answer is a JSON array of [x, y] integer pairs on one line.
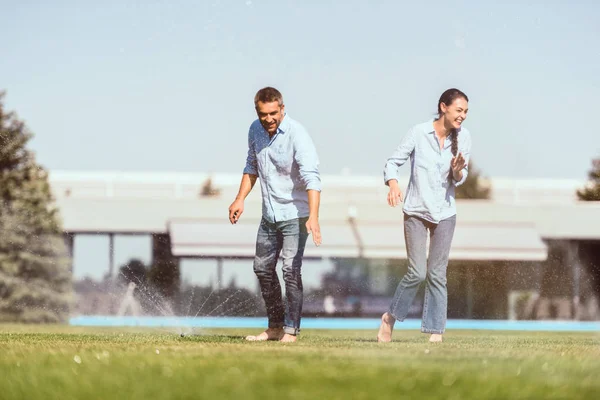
[[472, 241]]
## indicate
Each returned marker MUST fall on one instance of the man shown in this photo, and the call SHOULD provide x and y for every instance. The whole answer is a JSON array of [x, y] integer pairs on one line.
[[283, 157]]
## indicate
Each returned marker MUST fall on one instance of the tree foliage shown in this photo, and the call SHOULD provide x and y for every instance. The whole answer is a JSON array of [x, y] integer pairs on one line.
[[592, 190], [35, 276], [474, 186]]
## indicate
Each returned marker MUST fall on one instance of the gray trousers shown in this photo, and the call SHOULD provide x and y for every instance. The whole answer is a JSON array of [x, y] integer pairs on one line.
[[430, 270]]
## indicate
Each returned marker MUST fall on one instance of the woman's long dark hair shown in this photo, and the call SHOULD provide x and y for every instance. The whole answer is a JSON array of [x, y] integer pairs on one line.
[[448, 98]]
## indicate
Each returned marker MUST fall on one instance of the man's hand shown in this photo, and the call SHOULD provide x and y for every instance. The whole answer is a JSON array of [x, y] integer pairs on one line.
[[395, 195], [235, 210], [237, 207], [312, 226]]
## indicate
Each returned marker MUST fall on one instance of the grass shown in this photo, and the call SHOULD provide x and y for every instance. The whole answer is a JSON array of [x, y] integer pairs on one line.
[[48, 362]]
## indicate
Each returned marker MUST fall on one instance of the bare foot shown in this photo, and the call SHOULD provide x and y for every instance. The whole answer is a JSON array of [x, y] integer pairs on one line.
[[287, 338], [435, 338], [386, 327], [269, 334]]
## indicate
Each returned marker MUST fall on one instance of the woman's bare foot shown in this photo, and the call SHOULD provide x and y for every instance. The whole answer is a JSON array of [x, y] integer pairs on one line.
[[269, 334], [287, 338], [435, 338], [386, 327]]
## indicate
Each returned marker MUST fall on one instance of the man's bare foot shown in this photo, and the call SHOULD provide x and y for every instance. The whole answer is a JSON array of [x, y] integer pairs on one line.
[[386, 327], [435, 338], [269, 334], [287, 338]]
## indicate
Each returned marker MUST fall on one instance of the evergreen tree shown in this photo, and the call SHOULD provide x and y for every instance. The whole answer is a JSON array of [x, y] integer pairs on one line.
[[164, 276], [35, 276], [592, 191], [133, 271], [473, 188], [589, 250]]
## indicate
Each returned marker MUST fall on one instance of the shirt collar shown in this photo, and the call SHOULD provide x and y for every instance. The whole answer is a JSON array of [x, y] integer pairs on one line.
[[285, 124], [448, 141], [431, 128]]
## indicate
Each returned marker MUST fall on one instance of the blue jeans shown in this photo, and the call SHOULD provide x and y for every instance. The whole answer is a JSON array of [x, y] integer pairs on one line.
[[288, 239], [430, 270]]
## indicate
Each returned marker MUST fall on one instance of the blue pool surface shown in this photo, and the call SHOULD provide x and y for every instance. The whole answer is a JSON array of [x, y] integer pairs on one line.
[[330, 323]]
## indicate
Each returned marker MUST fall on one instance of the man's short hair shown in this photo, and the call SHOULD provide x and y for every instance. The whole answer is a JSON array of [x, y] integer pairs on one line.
[[268, 95]]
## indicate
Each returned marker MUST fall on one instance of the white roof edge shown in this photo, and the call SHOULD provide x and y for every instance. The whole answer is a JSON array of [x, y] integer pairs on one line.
[[178, 176]]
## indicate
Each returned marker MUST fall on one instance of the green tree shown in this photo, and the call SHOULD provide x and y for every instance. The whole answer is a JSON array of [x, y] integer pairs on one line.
[[592, 190], [473, 187], [589, 250], [164, 275], [134, 271], [209, 189], [35, 276]]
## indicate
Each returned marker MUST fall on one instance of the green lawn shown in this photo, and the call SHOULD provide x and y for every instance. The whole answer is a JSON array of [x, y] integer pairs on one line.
[[42, 362]]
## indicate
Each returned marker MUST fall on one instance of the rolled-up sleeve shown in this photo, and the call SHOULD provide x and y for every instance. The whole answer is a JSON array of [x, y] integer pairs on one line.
[[251, 164], [305, 155], [399, 157], [465, 149]]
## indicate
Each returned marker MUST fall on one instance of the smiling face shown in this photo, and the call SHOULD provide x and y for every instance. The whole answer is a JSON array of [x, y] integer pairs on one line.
[[270, 115], [454, 113]]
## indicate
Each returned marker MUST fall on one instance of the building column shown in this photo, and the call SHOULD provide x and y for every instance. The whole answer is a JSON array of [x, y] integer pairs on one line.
[[470, 291], [111, 255], [69, 240], [573, 260], [352, 214], [219, 273]]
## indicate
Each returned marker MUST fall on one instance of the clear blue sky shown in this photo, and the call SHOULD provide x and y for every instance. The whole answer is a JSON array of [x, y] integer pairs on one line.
[[168, 85]]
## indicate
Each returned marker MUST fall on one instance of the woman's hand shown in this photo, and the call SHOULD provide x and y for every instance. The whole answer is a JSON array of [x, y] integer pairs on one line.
[[458, 163]]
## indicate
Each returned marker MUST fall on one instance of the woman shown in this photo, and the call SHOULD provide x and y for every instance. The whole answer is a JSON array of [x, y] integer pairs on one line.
[[438, 151]]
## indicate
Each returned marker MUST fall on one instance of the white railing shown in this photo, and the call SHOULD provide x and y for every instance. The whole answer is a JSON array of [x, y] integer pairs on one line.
[[337, 187]]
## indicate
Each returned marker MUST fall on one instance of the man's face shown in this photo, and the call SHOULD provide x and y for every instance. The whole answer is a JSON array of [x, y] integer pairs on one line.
[[270, 115]]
